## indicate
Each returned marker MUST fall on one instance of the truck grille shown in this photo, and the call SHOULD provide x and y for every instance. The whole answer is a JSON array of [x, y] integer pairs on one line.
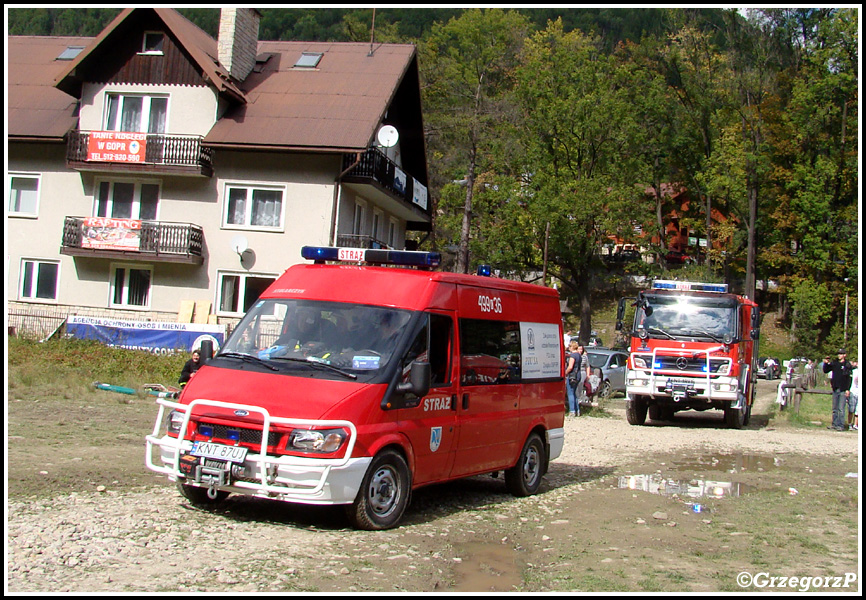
[[247, 436], [685, 364]]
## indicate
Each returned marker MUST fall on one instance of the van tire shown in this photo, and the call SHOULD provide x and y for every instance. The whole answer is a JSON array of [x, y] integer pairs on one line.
[[384, 493], [198, 497], [524, 478]]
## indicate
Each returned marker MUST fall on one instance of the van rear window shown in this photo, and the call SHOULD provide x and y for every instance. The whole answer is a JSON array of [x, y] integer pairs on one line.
[[489, 352]]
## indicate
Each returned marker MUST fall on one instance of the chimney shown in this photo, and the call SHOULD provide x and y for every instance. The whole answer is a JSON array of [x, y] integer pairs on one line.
[[238, 40]]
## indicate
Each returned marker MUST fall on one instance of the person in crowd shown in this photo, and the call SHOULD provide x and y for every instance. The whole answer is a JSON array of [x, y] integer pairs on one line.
[[854, 398], [573, 378], [190, 367], [840, 380]]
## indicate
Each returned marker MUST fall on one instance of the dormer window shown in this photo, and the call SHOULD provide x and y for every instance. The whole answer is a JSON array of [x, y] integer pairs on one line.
[[153, 42], [308, 60]]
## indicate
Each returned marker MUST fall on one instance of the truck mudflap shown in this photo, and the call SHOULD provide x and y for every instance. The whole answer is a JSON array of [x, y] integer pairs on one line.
[[235, 469]]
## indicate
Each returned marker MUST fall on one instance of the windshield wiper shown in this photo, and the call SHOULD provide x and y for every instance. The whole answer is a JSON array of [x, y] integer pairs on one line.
[[311, 360], [712, 336], [247, 358], [661, 331]]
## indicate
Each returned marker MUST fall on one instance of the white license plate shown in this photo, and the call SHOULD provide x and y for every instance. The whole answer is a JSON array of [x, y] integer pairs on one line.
[[681, 381], [219, 451]]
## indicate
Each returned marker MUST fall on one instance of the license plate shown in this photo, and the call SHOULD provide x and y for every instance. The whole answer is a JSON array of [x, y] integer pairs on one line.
[[678, 382], [235, 454]]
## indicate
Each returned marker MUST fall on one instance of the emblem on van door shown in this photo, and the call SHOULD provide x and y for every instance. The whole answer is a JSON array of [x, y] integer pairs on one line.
[[435, 438]]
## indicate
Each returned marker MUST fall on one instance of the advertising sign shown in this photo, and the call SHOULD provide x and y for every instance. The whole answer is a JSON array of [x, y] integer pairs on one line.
[[541, 348], [111, 234], [152, 336], [116, 146]]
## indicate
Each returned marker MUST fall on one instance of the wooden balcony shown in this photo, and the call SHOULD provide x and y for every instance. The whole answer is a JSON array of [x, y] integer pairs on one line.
[[163, 154], [150, 241], [376, 169]]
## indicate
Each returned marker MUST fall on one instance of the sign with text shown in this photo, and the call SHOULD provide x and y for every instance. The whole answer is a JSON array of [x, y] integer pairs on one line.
[[152, 336], [116, 146], [101, 233]]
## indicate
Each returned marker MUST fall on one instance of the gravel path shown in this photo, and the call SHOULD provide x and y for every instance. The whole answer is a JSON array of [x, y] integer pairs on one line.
[[149, 540]]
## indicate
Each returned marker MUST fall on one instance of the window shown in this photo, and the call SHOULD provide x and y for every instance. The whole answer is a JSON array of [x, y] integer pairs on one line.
[[39, 279], [392, 233], [433, 345], [359, 218], [70, 53], [23, 195], [136, 112], [254, 207], [378, 217], [130, 286], [309, 60], [153, 42], [126, 200], [490, 352], [238, 292]]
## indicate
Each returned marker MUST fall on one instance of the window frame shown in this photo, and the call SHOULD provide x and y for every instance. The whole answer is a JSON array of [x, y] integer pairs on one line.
[[24, 175], [37, 262], [252, 187], [144, 45], [240, 301], [116, 123], [112, 279], [136, 197]]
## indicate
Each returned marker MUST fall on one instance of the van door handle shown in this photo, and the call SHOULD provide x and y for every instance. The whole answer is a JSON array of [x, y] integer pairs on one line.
[[454, 402], [465, 401]]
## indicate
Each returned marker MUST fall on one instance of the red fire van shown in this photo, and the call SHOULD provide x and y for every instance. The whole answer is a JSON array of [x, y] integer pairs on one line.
[[355, 383]]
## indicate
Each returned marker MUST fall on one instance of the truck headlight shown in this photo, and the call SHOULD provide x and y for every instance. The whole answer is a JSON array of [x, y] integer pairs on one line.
[[323, 441], [175, 420], [639, 363]]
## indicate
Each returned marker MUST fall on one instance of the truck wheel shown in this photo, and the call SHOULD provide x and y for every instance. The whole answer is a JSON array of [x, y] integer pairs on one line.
[[524, 478], [197, 496], [635, 410], [384, 493], [735, 417]]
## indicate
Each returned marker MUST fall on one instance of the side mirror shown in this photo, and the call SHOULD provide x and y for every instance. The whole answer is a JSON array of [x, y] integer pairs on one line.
[[419, 380], [206, 350]]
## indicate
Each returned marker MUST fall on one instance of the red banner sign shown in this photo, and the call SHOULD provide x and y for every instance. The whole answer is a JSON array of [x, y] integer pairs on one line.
[[116, 146], [111, 234]]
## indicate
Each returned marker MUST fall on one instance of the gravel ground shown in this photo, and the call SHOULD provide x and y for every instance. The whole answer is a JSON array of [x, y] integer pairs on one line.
[[151, 540]]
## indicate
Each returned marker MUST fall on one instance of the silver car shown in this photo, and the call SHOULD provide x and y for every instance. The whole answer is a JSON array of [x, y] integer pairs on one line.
[[613, 369]]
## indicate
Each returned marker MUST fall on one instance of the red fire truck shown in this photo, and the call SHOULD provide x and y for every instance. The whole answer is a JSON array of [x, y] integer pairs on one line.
[[693, 346], [353, 384]]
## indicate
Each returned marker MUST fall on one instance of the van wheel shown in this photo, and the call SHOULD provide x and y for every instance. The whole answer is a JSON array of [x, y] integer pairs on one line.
[[198, 497], [524, 478], [384, 493]]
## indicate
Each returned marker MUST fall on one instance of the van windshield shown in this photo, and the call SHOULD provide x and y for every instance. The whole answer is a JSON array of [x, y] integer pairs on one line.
[[355, 338]]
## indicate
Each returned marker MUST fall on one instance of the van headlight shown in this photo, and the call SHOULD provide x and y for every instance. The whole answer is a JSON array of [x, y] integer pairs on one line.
[[323, 441], [175, 420]]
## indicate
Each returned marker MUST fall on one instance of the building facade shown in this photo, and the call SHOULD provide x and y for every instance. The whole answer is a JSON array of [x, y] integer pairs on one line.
[[152, 166]]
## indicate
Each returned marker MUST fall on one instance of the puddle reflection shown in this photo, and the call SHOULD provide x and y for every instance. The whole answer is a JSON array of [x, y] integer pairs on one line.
[[692, 488]]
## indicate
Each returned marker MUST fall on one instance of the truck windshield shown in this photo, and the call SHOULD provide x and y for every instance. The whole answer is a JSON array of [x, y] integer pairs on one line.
[[355, 338], [678, 316]]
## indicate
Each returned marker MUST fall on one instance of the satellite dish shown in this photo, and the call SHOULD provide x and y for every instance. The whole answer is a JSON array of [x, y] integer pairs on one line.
[[239, 244], [387, 136]]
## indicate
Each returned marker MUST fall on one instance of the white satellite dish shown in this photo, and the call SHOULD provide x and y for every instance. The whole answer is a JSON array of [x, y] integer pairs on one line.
[[387, 136], [239, 244]]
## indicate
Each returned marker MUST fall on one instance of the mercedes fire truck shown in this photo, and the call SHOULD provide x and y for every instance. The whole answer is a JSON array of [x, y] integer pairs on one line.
[[693, 346]]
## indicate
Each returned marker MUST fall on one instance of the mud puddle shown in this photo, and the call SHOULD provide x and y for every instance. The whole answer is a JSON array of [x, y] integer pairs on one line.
[[486, 567]]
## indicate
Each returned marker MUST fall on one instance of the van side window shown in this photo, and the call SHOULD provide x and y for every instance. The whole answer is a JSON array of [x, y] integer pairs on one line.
[[489, 352], [433, 344]]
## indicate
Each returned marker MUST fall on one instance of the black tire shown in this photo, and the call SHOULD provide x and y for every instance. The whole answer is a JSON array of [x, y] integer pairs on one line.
[[524, 478], [735, 417], [384, 493], [635, 410], [197, 496], [655, 412]]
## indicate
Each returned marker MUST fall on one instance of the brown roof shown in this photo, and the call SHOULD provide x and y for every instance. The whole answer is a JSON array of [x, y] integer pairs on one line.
[[335, 106], [37, 109]]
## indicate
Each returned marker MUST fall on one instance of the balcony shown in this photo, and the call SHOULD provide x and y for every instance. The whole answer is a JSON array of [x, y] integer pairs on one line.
[[114, 151], [361, 241], [130, 239], [375, 169]]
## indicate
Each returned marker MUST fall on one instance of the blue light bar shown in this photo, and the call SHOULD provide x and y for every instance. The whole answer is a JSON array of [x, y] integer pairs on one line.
[[485, 270], [690, 286], [406, 258]]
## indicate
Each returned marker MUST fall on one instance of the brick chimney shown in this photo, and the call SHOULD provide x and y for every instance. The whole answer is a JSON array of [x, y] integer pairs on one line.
[[238, 40]]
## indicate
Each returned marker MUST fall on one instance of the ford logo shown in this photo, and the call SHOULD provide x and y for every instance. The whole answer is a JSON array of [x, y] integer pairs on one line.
[[242, 413]]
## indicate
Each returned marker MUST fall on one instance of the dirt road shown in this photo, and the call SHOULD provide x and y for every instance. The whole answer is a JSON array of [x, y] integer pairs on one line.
[[616, 513]]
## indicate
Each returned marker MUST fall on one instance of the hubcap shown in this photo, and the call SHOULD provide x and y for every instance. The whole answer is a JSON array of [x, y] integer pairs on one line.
[[530, 466], [384, 491]]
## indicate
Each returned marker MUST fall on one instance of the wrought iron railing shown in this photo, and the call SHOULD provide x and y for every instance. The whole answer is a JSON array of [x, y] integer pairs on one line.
[[156, 238], [160, 149], [374, 165]]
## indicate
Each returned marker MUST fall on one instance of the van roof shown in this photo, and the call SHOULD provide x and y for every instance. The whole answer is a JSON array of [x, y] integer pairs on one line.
[[385, 286]]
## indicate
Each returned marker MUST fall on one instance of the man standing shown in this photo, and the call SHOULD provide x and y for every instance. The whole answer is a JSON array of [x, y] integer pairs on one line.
[[840, 379]]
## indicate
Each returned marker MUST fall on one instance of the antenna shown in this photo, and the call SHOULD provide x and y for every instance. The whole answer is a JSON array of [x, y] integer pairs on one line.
[[372, 32], [239, 244], [387, 136]]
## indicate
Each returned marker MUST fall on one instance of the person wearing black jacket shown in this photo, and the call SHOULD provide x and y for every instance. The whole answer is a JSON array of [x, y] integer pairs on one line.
[[840, 379], [189, 369]]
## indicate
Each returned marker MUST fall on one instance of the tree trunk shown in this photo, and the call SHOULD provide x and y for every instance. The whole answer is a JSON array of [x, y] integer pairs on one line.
[[463, 251]]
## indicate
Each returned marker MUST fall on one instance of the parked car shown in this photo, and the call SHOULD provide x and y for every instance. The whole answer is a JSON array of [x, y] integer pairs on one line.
[[771, 371], [613, 369], [623, 256], [675, 257]]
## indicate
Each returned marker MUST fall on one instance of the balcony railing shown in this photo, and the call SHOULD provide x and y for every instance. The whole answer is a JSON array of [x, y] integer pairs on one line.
[[375, 167], [162, 153], [156, 241], [361, 241]]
